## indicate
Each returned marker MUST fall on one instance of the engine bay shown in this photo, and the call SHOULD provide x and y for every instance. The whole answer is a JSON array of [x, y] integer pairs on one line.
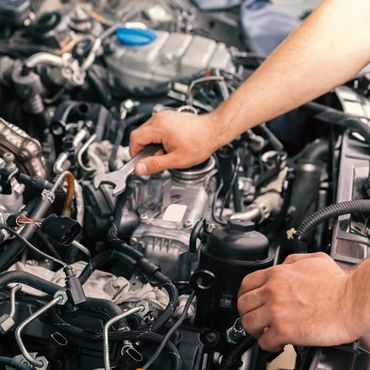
[[147, 277]]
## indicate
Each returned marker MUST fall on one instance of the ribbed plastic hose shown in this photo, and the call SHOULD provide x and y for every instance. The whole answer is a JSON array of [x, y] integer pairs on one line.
[[308, 226]]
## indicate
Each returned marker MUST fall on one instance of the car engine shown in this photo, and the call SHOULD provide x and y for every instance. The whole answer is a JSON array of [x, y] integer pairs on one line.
[[148, 278]]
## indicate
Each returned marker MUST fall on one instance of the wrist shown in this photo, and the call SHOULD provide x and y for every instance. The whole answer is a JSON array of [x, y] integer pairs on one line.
[[356, 304], [221, 127]]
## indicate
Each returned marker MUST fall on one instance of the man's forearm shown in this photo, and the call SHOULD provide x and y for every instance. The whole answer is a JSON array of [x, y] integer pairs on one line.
[[329, 48], [358, 293]]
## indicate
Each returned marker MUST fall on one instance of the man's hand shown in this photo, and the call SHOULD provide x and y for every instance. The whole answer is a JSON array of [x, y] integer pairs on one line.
[[308, 300], [187, 140]]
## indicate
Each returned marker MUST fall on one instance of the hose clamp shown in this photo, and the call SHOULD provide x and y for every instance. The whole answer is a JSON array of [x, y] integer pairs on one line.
[[48, 195]]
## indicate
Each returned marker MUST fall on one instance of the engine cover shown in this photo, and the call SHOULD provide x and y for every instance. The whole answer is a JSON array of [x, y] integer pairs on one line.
[[170, 56]]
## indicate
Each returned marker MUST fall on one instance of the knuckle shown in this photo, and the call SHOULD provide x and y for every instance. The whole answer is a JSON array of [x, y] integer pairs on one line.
[[271, 289], [249, 323], [133, 135], [291, 258], [245, 280], [320, 255], [274, 311], [240, 305], [244, 323], [155, 164]]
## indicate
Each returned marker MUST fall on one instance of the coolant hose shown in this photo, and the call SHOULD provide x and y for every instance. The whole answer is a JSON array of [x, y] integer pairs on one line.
[[330, 115], [232, 360], [30, 280], [12, 363], [308, 226], [101, 259]]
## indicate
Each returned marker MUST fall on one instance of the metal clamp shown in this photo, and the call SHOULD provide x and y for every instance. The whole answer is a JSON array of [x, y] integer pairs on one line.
[[47, 194], [7, 320]]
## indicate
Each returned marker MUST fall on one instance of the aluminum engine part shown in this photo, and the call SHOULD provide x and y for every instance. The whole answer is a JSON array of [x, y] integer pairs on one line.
[[164, 232], [171, 56], [27, 151], [13, 201]]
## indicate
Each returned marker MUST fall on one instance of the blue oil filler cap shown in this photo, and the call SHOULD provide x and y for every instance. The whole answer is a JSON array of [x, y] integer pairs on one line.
[[135, 36]]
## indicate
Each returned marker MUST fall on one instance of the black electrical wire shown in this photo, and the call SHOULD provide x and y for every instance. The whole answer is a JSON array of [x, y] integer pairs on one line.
[[170, 332], [12, 363], [215, 217], [48, 244], [232, 183], [214, 202], [33, 248]]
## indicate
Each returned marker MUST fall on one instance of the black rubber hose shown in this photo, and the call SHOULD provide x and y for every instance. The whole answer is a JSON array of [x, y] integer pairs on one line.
[[317, 151], [12, 363], [120, 134], [99, 88], [173, 294], [150, 268], [101, 259], [135, 335], [308, 226], [98, 305], [136, 259], [232, 360], [30, 280], [333, 116], [270, 136], [124, 248]]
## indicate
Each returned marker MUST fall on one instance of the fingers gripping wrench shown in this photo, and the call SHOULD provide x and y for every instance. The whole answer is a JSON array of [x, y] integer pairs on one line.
[[118, 179]]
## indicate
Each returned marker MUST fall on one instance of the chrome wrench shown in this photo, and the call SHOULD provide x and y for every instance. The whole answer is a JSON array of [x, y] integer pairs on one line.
[[118, 179]]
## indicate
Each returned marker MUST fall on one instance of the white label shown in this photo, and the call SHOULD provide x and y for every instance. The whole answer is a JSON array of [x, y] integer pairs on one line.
[[175, 213]]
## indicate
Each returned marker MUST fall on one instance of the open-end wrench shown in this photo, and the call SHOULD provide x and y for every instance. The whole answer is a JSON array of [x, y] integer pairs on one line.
[[118, 179]]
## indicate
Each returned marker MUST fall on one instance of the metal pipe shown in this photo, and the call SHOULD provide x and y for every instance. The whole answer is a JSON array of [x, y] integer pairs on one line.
[[13, 292], [82, 248], [44, 58], [251, 214], [90, 59], [81, 153], [60, 298], [106, 331]]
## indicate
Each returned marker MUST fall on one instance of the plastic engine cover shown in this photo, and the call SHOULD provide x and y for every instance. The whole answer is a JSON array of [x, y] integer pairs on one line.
[[171, 56]]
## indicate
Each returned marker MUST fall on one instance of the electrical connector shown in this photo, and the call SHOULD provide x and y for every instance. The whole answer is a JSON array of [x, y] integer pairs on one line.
[[75, 292], [61, 229]]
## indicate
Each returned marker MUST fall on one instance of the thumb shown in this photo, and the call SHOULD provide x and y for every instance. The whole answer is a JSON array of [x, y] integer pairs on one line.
[[154, 164]]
